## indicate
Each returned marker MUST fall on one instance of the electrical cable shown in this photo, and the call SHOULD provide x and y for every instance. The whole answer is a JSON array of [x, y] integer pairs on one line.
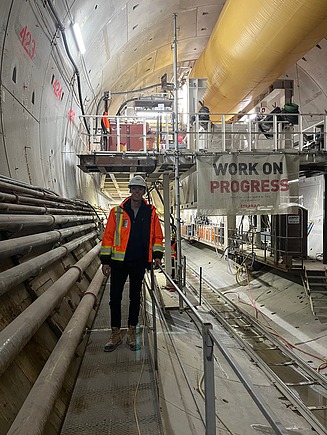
[[86, 75], [287, 343], [76, 71]]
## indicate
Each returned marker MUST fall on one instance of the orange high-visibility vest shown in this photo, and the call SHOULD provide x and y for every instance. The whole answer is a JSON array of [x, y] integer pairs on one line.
[[116, 234], [105, 121], [173, 250]]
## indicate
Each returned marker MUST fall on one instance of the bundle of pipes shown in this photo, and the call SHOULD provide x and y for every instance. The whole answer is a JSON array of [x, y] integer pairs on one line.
[[49, 252]]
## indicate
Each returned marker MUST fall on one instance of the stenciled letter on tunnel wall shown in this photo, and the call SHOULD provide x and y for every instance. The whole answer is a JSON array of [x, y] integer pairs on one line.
[[247, 184]]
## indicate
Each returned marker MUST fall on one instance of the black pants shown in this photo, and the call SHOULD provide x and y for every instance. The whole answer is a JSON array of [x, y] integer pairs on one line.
[[135, 271]]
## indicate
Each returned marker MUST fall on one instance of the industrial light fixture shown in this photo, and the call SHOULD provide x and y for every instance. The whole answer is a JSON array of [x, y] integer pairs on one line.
[[79, 38]]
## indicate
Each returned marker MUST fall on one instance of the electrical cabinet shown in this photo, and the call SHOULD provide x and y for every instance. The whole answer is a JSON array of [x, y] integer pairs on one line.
[[130, 137]]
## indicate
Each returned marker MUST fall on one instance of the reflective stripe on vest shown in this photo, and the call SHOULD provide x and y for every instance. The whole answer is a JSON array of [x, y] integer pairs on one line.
[[119, 222]]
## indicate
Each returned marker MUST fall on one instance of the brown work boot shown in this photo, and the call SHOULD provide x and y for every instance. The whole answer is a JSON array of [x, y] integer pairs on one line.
[[131, 339], [114, 341]]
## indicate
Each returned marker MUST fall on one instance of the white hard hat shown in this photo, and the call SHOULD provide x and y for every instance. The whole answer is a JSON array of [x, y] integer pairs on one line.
[[137, 181]]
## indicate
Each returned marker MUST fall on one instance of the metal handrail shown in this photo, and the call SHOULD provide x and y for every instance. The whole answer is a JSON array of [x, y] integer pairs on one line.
[[155, 303], [233, 131], [209, 340]]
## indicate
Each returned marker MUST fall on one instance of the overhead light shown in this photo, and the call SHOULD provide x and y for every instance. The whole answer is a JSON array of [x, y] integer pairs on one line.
[[79, 38]]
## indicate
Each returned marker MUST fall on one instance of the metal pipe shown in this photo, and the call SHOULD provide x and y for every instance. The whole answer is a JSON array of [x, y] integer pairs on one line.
[[223, 128], [26, 243], [14, 198], [275, 132], [35, 209], [167, 229], [301, 137], [184, 271], [17, 274], [18, 333], [34, 413], [177, 189], [154, 320], [15, 186], [209, 380], [200, 289], [12, 221]]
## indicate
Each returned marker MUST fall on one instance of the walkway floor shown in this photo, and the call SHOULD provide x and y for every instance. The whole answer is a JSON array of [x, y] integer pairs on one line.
[[115, 392]]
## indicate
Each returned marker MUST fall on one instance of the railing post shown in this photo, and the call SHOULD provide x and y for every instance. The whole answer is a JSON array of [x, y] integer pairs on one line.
[[118, 135], [256, 136], [325, 133], [91, 136], [249, 134], [184, 271], [197, 126], [232, 139], [275, 132], [200, 289], [167, 135], [144, 135], [223, 129], [300, 133], [209, 380], [154, 323]]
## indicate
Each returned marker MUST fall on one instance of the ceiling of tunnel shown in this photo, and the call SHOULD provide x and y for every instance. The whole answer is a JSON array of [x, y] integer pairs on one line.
[[129, 44]]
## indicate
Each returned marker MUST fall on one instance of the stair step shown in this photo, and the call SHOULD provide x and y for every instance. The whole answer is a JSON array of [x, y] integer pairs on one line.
[[315, 272], [319, 274]]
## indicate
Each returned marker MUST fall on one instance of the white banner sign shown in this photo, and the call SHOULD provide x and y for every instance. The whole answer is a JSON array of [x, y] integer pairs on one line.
[[247, 184]]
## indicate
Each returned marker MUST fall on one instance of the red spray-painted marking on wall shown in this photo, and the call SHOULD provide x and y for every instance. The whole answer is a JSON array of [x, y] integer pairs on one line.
[[71, 115], [57, 89], [28, 42]]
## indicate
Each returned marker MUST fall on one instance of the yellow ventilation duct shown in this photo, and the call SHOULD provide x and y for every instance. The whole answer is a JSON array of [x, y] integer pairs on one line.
[[253, 44]]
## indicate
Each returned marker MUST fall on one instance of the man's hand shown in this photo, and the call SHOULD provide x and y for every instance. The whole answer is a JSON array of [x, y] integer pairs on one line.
[[157, 263], [106, 269]]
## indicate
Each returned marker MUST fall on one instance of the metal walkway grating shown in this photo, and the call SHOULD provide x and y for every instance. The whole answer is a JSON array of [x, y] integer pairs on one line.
[[112, 386]]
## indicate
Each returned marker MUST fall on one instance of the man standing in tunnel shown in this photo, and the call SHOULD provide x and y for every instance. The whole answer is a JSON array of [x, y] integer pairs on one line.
[[131, 241]]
